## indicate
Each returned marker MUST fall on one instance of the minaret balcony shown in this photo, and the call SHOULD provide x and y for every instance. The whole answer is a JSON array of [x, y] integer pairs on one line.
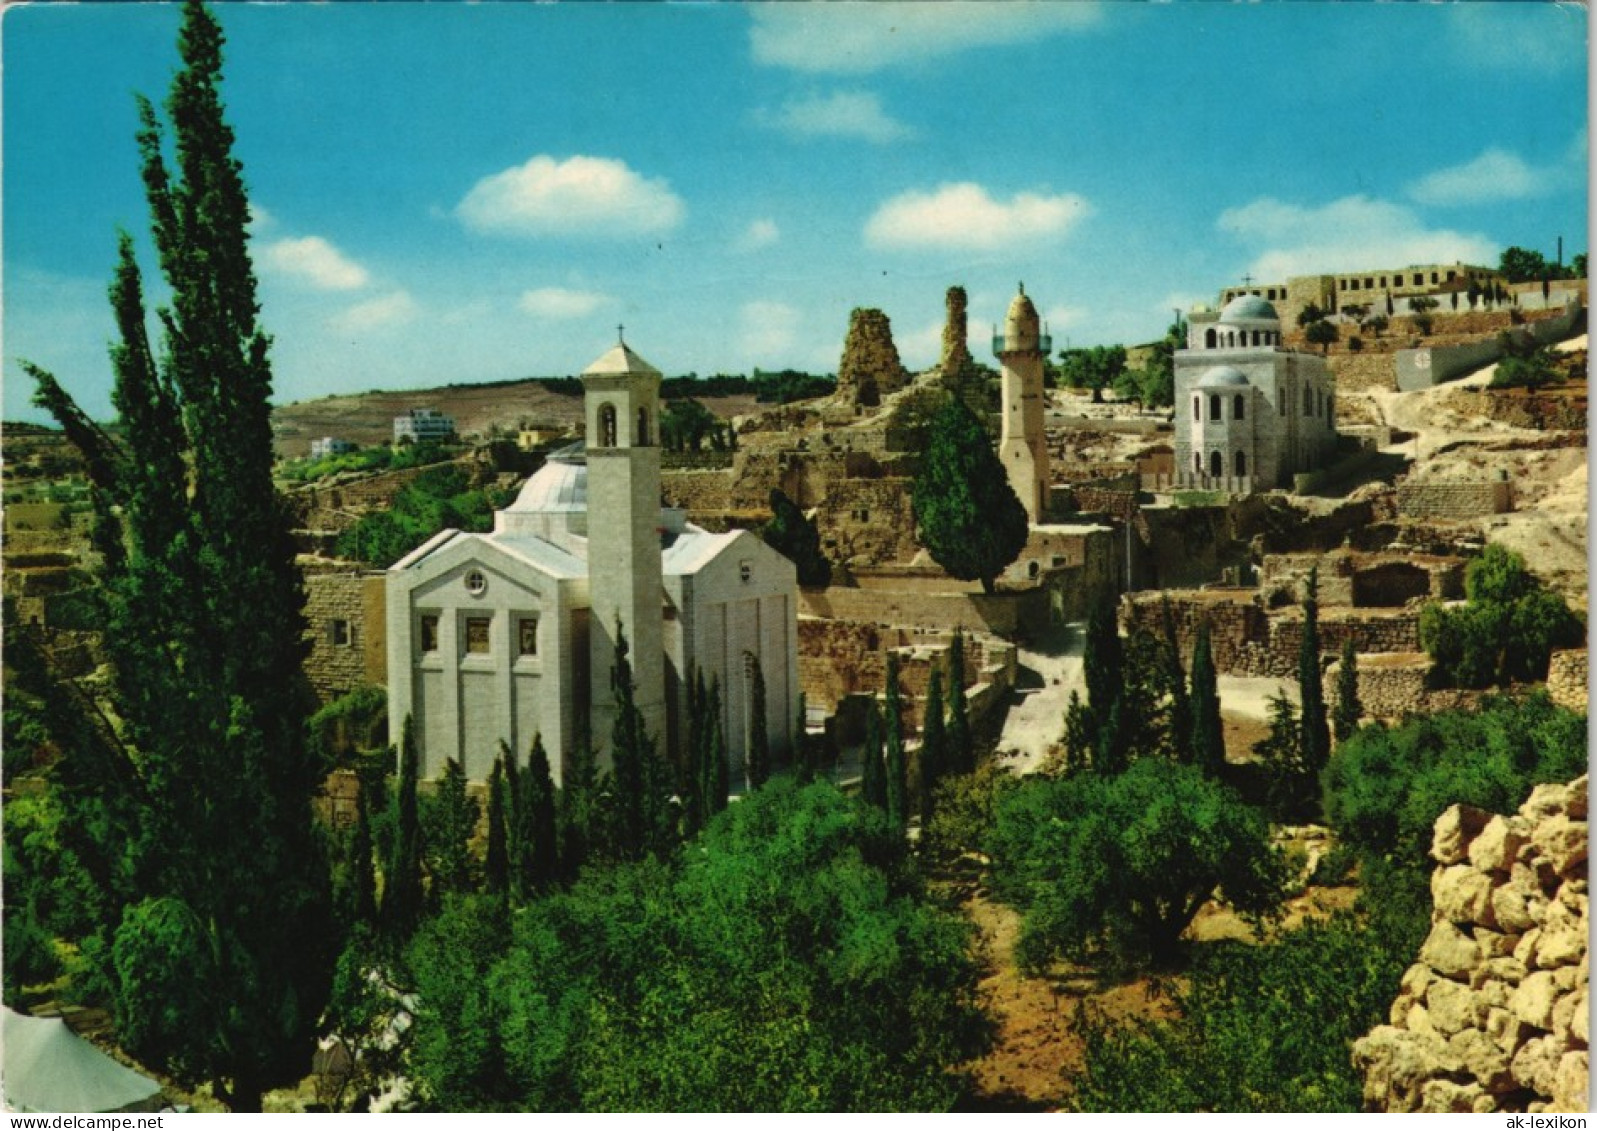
[[1045, 343]]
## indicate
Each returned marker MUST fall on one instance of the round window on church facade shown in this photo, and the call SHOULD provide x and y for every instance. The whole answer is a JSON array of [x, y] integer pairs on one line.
[[476, 583]]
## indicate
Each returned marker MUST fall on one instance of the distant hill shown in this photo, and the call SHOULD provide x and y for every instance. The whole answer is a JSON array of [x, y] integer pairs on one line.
[[368, 418]]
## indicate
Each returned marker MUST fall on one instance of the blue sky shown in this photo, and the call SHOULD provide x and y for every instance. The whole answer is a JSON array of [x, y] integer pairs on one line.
[[459, 193]]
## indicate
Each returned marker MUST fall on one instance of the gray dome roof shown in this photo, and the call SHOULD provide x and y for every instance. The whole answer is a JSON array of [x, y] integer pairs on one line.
[[1222, 375], [559, 485], [1248, 308]]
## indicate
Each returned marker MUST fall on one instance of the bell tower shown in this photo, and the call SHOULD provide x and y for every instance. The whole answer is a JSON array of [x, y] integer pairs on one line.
[[621, 404], [1022, 447]]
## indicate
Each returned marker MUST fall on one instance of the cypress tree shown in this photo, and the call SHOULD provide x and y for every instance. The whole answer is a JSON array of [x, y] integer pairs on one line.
[[1207, 746], [204, 627], [1349, 710], [968, 516], [402, 886], [446, 832], [629, 751], [796, 538], [542, 862], [496, 862], [1103, 658], [578, 808], [363, 905], [897, 783], [1081, 734], [693, 791], [1316, 730], [1176, 679], [933, 747], [719, 772], [759, 754], [961, 754], [873, 770]]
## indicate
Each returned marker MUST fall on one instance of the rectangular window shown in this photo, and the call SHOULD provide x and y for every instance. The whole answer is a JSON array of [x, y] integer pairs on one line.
[[338, 633], [527, 633], [1418, 278], [429, 634], [477, 634]]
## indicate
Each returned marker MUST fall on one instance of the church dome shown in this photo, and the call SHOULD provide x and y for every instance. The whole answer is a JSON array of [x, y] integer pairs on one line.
[[1249, 308], [561, 485], [1222, 376]]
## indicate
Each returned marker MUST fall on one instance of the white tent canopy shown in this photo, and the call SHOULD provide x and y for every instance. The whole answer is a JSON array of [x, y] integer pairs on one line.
[[48, 1067]]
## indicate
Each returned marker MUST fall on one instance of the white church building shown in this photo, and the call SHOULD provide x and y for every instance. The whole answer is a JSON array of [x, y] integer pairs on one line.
[[1250, 414], [508, 635]]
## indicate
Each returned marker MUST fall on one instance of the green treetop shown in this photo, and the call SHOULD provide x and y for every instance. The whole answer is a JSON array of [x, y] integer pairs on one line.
[[968, 516]]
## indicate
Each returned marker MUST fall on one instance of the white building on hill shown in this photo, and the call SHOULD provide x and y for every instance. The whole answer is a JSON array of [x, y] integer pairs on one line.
[[509, 635], [1250, 414]]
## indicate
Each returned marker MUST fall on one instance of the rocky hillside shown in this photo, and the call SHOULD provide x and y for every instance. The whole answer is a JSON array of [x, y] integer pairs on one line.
[[368, 418], [1493, 1016]]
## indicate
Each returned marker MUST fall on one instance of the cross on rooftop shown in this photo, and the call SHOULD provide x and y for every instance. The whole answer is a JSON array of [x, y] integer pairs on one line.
[[621, 333], [1247, 280]]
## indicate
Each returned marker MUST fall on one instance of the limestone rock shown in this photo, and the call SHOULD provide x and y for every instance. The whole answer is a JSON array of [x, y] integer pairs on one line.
[[1575, 798], [1562, 843], [1454, 830], [1533, 1001], [1494, 944], [1445, 1095], [1493, 850], [1525, 951], [1483, 1059], [1396, 1065], [1463, 895], [1449, 951], [1517, 905], [1546, 800], [1561, 944], [1571, 1084], [1536, 1063], [1450, 1005], [1505, 1028], [1580, 1022], [1564, 1010]]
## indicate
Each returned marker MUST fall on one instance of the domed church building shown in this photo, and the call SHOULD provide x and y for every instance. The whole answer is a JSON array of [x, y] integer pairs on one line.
[[504, 636], [1250, 414]]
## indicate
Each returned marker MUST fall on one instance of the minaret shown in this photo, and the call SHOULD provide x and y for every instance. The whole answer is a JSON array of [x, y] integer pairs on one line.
[[1021, 445], [621, 394]]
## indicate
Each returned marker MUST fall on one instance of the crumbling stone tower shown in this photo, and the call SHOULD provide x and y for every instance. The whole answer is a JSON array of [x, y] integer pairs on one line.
[[957, 370], [1022, 447], [870, 368]]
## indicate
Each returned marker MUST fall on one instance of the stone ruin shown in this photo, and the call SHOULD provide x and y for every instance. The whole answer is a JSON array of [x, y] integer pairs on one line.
[[870, 368], [1493, 1015]]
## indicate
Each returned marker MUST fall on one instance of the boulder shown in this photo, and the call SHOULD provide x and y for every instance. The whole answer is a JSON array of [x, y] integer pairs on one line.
[[1536, 1063], [1449, 951], [1454, 830], [1533, 1001], [1564, 1010], [1396, 1064], [1494, 944], [1505, 1028], [1525, 950], [1463, 895], [1518, 904], [1575, 798], [1562, 843], [1452, 1007], [1546, 800], [1445, 1095], [1571, 1084], [1494, 848], [1484, 1059]]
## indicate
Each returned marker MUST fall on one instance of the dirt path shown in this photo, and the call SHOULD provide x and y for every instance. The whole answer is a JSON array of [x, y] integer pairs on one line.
[[1051, 669]]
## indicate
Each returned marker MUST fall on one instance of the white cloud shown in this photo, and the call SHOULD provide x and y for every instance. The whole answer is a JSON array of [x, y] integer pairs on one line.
[[1349, 234], [760, 233], [767, 331], [317, 262], [843, 113], [1495, 175], [965, 216], [260, 219], [858, 38], [558, 302], [592, 195], [1522, 37], [373, 314]]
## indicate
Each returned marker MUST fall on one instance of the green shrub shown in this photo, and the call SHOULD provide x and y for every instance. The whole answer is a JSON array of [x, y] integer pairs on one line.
[[1114, 868], [1258, 1029]]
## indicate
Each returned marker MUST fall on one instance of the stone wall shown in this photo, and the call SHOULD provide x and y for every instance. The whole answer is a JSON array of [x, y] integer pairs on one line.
[[1004, 614], [1493, 1017], [1355, 372], [1246, 639], [1365, 580], [840, 658], [699, 491], [1551, 410], [346, 628], [868, 522], [870, 367], [1433, 364], [1567, 679], [1458, 500]]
